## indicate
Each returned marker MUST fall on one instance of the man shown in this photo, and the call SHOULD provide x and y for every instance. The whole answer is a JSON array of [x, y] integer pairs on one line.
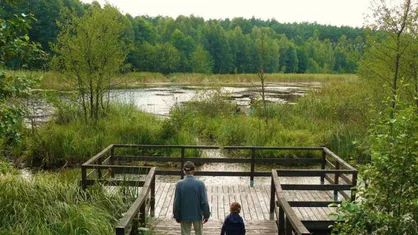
[[190, 202]]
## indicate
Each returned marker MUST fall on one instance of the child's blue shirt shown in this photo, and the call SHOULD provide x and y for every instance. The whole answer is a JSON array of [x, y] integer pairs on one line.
[[233, 225]]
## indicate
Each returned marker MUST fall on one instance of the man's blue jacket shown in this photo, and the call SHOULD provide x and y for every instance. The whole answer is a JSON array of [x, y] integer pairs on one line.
[[190, 200]]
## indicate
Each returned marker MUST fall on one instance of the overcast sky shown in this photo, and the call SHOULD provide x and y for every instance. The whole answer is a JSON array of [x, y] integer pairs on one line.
[[332, 12]]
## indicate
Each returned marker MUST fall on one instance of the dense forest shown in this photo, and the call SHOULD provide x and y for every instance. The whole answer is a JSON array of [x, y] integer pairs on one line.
[[192, 44]]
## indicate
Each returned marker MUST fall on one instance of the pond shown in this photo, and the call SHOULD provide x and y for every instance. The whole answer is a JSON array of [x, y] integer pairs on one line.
[[159, 99]]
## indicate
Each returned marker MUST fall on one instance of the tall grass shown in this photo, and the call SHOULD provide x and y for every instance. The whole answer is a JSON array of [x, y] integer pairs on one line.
[[57, 81], [253, 78], [50, 203], [333, 116], [75, 141]]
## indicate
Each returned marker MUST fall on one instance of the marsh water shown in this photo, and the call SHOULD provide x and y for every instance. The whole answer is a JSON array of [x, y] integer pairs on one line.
[[158, 100]]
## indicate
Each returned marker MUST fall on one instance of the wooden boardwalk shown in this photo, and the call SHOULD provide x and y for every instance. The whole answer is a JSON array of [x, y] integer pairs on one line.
[[301, 207], [255, 203]]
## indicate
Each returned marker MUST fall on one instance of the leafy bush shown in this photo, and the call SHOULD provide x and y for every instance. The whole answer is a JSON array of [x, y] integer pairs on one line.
[[389, 205]]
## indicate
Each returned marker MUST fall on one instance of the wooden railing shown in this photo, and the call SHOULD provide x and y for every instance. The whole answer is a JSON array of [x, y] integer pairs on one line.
[[331, 161], [137, 213], [252, 160], [101, 169], [331, 169], [287, 221]]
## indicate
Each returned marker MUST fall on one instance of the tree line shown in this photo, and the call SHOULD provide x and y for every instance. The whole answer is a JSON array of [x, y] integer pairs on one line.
[[192, 44]]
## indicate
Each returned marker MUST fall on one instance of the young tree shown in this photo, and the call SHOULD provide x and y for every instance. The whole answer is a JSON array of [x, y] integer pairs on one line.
[[394, 27], [90, 49], [260, 74]]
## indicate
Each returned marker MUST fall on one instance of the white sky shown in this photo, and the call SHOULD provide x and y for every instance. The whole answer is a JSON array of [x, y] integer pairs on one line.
[[332, 12]]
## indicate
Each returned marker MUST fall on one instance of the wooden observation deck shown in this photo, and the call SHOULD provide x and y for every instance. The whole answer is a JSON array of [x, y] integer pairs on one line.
[[275, 205]]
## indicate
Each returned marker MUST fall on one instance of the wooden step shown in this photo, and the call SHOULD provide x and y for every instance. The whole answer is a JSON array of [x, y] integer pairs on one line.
[[171, 227]]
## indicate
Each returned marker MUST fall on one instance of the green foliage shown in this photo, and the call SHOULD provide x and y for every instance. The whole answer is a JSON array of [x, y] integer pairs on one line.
[[333, 116], [391, 60], [90, 50], [14, 42], [201, 61], [12, 109], [389, 204], [50, 203], [7, 167], [74, 141], [230, 42]]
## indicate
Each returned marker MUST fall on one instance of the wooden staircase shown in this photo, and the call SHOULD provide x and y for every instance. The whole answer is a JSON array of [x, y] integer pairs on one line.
[[164, 226]]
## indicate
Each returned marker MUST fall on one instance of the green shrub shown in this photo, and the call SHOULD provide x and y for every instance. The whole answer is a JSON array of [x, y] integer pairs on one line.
[[389, 205]]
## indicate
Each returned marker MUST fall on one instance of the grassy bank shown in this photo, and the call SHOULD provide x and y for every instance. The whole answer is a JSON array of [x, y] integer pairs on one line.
[[334, 116], [53, 203], [57, 81], [74, 141]]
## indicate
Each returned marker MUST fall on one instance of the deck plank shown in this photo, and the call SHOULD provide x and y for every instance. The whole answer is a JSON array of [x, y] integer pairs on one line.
[[244, 199], [164, 226], [255, 201]]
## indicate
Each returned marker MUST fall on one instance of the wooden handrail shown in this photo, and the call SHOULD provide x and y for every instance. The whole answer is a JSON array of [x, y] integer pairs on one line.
[[214, 147], [99, 155], [338, 159], [291, 218], [124, 224], [285, 209]]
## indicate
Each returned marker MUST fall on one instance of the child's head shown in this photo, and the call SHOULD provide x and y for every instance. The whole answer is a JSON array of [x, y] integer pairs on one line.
[[235, 208]]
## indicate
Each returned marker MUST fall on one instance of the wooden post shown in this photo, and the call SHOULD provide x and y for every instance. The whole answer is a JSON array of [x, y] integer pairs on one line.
[[281, 221], [112, 161], [142, 214], [323, 164], [288, 229], [252, 167], [336, 179], [182, 163], [120, 231], [272, 198], [135, 225], [99, 169], [354, 189], [83, 177], [153, 196]]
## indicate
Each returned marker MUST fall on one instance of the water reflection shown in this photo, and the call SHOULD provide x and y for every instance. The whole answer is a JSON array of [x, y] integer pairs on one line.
[[159, 100]]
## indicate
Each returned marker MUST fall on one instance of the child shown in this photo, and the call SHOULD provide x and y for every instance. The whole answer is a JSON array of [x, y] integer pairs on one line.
[[233, 224]]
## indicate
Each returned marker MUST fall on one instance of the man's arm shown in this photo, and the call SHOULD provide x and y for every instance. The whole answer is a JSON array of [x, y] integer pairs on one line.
[[204, 204], [176, 203]]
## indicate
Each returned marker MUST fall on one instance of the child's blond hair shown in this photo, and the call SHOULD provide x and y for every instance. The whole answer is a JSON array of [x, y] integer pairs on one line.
[[235, 208]]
